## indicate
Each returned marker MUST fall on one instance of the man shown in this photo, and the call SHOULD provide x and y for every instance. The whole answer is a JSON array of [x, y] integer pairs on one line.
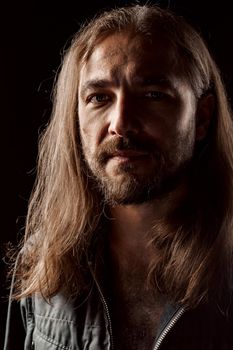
[[129, 230]]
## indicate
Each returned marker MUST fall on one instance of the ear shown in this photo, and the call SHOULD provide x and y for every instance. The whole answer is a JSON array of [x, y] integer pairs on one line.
[[205, 111]]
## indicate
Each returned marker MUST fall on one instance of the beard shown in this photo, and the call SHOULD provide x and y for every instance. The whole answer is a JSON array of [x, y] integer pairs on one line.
[[127, 185]]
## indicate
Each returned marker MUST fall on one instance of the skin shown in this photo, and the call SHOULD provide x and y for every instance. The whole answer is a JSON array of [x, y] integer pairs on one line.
[[115, 101], [132, 87], [157, 113]]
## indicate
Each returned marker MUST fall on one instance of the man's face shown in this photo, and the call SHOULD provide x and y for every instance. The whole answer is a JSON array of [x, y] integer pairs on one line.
[[137, 118]]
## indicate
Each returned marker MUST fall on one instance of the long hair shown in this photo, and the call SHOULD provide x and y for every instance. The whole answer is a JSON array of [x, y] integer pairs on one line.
[[194, 254]]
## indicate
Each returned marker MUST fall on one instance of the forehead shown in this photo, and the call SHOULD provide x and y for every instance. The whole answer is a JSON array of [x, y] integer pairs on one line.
[[134, 56]]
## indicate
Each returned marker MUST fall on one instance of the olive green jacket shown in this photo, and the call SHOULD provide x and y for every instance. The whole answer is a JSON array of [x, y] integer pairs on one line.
[[65, 324]]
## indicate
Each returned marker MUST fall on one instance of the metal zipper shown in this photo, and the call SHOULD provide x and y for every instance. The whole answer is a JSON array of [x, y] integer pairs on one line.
[[106, 309], [168, 327], [163, 334]]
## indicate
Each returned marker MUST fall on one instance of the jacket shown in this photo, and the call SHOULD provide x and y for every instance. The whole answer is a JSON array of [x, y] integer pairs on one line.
[[72, 324]]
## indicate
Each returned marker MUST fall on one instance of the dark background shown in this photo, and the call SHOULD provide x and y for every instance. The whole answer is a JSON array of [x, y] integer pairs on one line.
[[33, 39]]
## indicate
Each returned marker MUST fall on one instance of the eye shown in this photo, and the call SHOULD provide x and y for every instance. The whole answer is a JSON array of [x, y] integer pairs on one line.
[[99, 98], [155, 95]]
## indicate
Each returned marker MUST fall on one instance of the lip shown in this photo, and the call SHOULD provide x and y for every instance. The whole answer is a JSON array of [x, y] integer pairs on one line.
[[128, 154]]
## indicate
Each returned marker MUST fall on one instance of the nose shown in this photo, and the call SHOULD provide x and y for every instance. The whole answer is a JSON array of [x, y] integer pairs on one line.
[[124, 119]]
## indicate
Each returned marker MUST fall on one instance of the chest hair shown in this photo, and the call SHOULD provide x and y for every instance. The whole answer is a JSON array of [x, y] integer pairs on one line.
[[135, 310]]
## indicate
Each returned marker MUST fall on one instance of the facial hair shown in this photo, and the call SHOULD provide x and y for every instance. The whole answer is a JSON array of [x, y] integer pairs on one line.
[[168, 168]]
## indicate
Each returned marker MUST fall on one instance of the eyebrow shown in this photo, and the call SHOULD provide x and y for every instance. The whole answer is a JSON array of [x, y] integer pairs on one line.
[[95, 84], [144, 82], [153, 81], [158, 80]]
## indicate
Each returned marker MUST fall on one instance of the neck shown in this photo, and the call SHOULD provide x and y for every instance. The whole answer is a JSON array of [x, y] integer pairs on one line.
[[131, 226]]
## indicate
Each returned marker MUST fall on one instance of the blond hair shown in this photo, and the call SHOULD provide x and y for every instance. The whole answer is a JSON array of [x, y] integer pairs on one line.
[[65, 210]]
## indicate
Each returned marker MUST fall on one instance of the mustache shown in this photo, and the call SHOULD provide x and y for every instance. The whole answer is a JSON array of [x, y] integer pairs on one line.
[[108, 148]]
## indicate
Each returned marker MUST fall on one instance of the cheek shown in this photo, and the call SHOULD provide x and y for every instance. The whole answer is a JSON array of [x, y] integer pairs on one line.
[[160, 126], [93, 126], [85, 126], [87, 139], [89, 132], [169, 125], [85, 135], [85, 131]]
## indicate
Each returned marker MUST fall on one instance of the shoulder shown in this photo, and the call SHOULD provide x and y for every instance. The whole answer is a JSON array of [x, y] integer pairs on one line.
[[63, 322]]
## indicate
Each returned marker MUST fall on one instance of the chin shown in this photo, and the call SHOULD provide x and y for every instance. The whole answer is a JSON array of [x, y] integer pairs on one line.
[[130, 192], [136, 190]]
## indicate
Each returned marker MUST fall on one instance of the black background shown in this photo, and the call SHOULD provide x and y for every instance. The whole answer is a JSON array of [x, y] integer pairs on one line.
[[32, 41]]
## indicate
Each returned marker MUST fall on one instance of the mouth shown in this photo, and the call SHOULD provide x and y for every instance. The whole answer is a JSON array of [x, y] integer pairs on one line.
[[128, 155]]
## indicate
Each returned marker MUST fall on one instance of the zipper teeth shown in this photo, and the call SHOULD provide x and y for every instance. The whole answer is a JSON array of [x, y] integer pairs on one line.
[[166, 330], [169, 326], [107, 313]]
